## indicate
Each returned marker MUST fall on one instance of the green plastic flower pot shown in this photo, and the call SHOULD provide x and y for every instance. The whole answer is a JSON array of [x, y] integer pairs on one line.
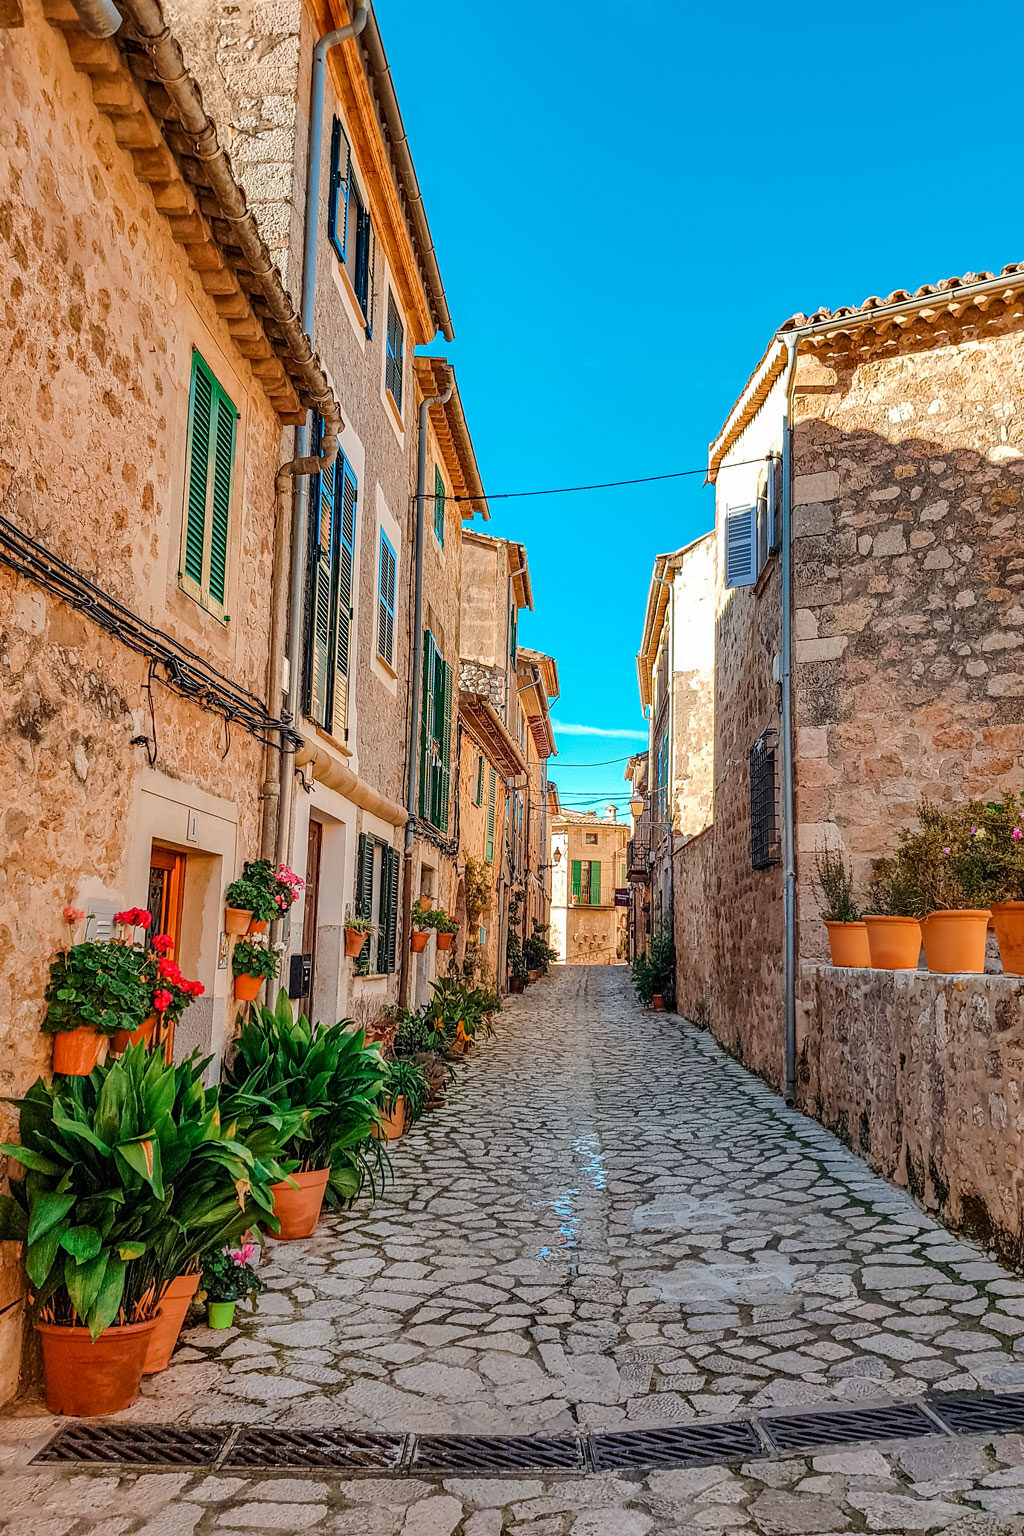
[[220, 1314]]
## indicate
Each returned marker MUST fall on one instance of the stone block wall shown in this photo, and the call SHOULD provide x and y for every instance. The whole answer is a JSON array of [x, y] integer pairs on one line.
[[908, 591], [923, 1076]]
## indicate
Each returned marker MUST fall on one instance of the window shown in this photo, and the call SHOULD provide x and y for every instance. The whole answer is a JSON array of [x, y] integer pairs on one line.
[[394, 354], [478, 780], [332, 532], [661, 777], [435, 735], [586, 882], [349, 227], [377, 899], [492, 795], [438, 506], [591, 837], [752, 533], [386, 602], [209, 480], [764, 844]]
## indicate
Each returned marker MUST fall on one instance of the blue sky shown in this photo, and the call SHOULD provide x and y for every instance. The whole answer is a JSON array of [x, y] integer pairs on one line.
[[626, 201]]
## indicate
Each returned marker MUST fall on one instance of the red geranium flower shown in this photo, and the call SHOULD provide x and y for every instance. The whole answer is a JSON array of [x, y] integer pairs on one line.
[[162, 1001], [162, 943]]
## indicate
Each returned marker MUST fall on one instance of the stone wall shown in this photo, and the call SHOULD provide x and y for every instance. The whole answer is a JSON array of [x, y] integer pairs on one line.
[[693, 686], [103, 311], [696, 992], [908, 589], [923, 1076]]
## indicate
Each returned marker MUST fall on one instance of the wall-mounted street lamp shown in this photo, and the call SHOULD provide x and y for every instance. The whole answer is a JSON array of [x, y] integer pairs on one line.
[[636, 806]]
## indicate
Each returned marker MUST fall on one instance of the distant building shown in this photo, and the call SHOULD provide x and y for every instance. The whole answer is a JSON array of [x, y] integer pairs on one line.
[[589, 926]]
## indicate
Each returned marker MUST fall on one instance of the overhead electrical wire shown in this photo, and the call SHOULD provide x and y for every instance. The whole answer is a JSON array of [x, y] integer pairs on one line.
[[609, 485]]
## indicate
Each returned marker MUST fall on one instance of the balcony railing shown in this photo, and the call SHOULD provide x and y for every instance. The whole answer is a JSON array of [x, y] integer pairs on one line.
[[638, 856]]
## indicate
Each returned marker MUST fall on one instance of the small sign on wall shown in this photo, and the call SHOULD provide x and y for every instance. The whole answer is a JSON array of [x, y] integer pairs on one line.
[[622, 897]]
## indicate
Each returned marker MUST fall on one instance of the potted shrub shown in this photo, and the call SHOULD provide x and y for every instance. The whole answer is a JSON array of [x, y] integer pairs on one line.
[[847, 935], [357, 932], [336, 1082], [893, 918], [96, 989], [654, 974], [104, 1224], [945, 859], [251, 965], [227, 1278], [537, 952], [404, 1098], [446, 928], [1003, 851], [220, 1169], [421, 927]]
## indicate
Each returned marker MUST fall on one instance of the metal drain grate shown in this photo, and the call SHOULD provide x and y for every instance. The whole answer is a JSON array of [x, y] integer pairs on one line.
[[316, 1448], [140, 1445], [980, 1413], [497, 1453], [793, 1431], [690, 1444]]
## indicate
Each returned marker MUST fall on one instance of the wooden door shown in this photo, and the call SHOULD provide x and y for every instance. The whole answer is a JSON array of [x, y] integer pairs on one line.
[[166, 892], [314, 848]]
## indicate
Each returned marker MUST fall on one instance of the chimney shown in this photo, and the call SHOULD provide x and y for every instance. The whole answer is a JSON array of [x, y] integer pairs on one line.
[[609, 812]]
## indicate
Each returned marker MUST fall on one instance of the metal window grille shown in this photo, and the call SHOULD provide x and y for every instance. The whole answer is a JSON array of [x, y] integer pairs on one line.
[[764, 821]]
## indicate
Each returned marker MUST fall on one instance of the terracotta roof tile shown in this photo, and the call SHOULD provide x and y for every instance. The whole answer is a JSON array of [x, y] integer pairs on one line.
[[898, 296]]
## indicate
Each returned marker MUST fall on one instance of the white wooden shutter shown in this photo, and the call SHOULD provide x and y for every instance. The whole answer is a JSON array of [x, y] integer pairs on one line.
[[740, 546]]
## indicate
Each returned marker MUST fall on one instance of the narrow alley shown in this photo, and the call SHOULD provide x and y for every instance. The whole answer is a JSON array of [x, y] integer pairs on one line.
[[612, 1226]]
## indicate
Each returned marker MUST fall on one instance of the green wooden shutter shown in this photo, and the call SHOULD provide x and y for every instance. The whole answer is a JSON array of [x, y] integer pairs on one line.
[[492, 783], [444, 738], [346, 542], [210, 458], [577, 879], [478, 792], [383, 908], [200, 417], [438, 506], [388, 911], [595, 882], [320, 592], [364, 894], [427, 724], [386, 602]]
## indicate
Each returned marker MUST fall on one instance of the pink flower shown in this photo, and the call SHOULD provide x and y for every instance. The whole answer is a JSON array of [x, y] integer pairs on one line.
[[162, 1001], [947, 850], [72, 915], [1016, 834], [974, 831]]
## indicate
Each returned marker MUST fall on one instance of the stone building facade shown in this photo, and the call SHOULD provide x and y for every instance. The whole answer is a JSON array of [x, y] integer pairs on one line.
[[908, 569], [538, 687], [133, 679], [588, 855]]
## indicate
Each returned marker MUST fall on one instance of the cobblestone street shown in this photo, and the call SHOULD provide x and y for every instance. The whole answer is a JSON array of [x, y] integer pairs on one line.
[[611, 1225]]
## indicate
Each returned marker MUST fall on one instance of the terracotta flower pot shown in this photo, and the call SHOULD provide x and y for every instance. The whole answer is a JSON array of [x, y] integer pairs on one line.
[[236, 920], [86, 1379], [355, 941], [955, 941], [445, 940], [894, 943], [257, 925], [220, 1314], [419, 940], [124, 1037], [247, 988], [658, 1003], [848, 943], [174, 1305], [1008, 921], [515, 984], [298, 1210], [391, 1126], [77, 1051]]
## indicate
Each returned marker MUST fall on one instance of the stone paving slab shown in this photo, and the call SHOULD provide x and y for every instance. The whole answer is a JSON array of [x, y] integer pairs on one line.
[[611, 1226]]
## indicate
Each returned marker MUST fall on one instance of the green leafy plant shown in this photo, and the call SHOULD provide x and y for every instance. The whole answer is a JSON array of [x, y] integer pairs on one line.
[[948, 862], [228, 1274], [251, 959], [1002, 845], [835, 881], [893, 892], [433, 917], [332, 1077], [129, 1175], [406, 1080], [359, 924], [655, 973], [537, 952], [254, 890], [99, 985]]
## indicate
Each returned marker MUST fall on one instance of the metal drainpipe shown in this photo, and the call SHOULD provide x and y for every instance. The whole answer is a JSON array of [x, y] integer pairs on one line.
[[310, 234], [414, 676], [786, 721], [100, 18]]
